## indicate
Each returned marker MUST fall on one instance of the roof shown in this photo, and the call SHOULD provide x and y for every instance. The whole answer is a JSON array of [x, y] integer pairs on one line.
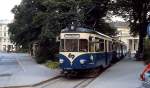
[[4, 22], [78, 29], [82, 30]]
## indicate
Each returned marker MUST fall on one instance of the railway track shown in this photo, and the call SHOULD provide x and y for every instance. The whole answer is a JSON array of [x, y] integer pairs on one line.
[[71, 82], [62, 82]]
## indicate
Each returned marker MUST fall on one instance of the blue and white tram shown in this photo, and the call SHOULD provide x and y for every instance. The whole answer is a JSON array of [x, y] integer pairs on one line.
[[82, 48]]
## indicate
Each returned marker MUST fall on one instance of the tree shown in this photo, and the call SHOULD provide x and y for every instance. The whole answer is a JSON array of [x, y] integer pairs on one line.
[[137, 13], [22, 30], [42, 21]]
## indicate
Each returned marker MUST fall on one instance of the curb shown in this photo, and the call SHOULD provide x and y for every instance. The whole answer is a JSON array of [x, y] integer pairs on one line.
[[33, 85]]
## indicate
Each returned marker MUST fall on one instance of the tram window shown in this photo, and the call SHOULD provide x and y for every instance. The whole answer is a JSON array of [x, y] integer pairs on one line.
[[71, 45], [110, 46], [106, 46], [97, 47], [83, 45], [101, 45], [62, 45], [114, 46]]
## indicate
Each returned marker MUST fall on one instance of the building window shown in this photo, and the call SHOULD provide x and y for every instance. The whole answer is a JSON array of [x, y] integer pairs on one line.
[[4, 40], [4, 33], [0, 33], [4, 47], [5, 28], [0, 27]]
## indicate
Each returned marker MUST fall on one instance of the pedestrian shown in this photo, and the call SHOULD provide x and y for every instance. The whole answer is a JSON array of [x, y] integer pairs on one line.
[[129, 53]]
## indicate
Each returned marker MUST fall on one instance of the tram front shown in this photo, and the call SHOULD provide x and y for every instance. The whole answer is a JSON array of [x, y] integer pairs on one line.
[[73, 50]]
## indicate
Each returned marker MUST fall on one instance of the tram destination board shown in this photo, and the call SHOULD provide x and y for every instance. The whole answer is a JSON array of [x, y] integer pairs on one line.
[[73, 36]]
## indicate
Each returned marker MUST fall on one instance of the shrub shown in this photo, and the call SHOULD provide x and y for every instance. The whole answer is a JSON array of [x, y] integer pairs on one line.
[[46, 50], [41, 59], [52, 64]]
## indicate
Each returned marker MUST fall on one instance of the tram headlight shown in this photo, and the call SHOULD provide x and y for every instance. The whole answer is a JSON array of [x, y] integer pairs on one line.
[[82, 61], [61, 61]]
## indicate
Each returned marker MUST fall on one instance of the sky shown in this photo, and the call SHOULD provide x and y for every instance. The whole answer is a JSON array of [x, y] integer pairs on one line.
[[5, 9]]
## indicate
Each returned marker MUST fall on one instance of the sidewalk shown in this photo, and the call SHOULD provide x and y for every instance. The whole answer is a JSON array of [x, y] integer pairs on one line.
[[124, 74], [23, 71]]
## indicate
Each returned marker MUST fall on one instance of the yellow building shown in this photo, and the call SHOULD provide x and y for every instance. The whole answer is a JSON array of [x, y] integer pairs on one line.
[[124, 35]]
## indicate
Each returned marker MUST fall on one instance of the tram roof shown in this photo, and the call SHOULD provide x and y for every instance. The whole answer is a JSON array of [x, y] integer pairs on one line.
[[83, 30]]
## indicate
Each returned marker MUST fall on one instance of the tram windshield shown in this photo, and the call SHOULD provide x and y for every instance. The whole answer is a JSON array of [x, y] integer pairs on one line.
[[71, 45], [74, 45], [83, 45]]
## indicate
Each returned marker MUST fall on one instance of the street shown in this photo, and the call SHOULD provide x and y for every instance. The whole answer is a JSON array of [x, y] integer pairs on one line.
[[19, 69]]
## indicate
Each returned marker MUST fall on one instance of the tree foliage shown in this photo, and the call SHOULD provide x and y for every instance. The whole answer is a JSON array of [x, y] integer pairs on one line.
[[137, 12], [42, 20]]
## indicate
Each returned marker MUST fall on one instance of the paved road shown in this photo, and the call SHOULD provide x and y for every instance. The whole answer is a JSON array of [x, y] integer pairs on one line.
[[124, 74], [8, 67], [19, 69]]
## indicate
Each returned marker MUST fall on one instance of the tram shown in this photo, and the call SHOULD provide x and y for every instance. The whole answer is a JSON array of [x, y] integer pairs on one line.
[[84, 49]]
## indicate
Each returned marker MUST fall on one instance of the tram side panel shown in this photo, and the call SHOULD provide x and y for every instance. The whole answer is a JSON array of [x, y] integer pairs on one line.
[[73, 55]]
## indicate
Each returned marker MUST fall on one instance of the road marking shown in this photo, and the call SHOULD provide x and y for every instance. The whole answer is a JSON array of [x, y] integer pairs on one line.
[[19, 62]]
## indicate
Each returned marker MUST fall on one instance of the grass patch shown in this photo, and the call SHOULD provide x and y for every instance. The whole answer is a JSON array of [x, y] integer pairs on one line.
[[52, 64]]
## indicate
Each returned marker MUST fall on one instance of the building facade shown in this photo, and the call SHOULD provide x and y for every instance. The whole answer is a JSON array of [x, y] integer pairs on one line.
[[125, 36], [5, 43]]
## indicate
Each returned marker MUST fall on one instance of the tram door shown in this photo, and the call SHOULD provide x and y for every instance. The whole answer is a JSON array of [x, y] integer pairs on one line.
[[106, 52]]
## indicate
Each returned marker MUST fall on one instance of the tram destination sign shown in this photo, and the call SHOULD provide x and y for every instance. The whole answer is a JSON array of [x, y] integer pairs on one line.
[[148, 30], [72, 36]]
